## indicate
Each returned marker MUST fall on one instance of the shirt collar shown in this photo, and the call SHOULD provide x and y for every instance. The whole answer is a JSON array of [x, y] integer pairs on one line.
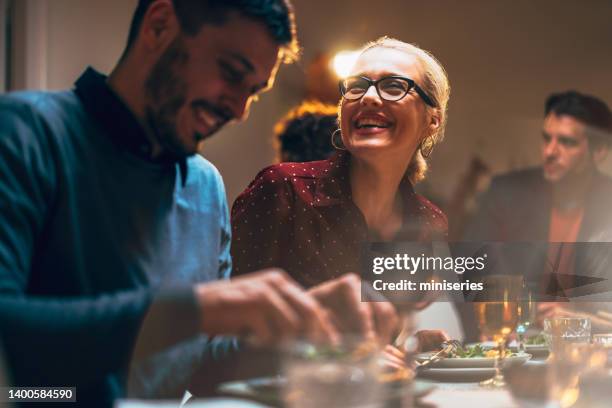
[[334, 186], [118, 121]]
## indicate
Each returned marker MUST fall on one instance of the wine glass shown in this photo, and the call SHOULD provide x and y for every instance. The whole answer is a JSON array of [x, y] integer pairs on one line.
[[497, 313], [527, 314]]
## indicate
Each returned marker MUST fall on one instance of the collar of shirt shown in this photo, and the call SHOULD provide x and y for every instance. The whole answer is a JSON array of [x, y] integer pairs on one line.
[[118, 121], [334, 187]]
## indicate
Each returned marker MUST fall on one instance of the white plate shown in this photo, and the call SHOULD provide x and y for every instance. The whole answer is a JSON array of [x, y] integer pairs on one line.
[[472, 362], [536, 350], [457, 374]]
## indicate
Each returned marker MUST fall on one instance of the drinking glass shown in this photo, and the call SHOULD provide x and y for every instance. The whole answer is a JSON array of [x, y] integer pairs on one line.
[[569, 364], [498, 316], [341, 376], [567, 380], [527, 314], [560, 332], [604, 340]]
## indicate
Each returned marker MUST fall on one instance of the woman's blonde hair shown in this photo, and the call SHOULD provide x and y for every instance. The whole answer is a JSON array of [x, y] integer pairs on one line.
[[436, 86]]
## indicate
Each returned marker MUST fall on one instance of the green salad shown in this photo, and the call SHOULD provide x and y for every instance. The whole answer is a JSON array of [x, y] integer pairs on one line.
[[536, 340], [477, 351]]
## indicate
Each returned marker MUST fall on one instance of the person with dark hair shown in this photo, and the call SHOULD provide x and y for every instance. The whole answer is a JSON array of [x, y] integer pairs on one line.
[[111, 227], [565, 200], [304, 133]]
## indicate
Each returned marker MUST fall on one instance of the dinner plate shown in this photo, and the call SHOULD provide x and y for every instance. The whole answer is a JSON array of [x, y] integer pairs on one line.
[[536, 350], [456, 374], [472, 362], [268, 390]]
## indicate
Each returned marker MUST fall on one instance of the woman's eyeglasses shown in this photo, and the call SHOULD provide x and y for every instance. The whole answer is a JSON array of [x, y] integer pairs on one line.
[[390, 88]]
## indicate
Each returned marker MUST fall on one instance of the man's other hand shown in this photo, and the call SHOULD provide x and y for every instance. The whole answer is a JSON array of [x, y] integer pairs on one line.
[[267, 307], [371, 318]]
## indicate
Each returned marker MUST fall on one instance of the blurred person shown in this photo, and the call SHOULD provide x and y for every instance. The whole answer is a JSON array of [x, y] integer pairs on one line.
[[565, 200], [304, 133], [111, 226], [3, 380]]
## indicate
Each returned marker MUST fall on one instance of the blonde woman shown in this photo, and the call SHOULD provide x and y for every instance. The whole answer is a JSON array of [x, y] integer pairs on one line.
[[311, 218]]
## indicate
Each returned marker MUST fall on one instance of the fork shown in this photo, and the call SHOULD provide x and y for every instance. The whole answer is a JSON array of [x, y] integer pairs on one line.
[[448, 347]]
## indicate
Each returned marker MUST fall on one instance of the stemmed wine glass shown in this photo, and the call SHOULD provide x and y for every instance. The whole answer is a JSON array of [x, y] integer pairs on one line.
[[527, 313], [497, 313]]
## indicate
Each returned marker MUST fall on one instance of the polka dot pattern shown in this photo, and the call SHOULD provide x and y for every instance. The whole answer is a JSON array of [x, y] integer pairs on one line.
[[306, 211]]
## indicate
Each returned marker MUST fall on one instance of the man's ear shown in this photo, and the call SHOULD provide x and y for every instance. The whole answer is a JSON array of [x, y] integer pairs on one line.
[[600, 153], [159, 26]]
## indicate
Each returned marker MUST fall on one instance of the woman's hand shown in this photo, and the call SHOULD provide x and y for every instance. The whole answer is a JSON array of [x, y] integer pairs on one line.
[[429, 340]]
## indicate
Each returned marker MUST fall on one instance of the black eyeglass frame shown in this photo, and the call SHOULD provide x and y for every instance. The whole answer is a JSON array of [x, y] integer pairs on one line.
[[411, 85]]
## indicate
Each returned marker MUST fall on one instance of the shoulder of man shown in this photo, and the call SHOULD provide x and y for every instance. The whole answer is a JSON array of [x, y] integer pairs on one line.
[[204, 180], [518, 181], [30, 123], [43, 113], [44, 104], [203, 170], [519, 177]]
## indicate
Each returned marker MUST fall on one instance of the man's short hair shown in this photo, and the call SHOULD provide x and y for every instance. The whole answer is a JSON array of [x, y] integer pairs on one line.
[[588, 109], [276, 15]]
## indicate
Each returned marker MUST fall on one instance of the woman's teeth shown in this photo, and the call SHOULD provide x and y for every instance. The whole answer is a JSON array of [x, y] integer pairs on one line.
[[371, 123]]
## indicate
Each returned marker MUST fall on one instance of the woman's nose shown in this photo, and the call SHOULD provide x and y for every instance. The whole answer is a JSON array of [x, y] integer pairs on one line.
[[371, 95]]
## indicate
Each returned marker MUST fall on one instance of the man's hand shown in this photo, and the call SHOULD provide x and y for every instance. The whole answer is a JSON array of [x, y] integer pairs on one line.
[[371, 319], [266, 306]]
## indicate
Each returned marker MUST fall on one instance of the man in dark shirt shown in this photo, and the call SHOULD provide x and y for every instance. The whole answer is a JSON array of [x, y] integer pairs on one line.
[[110, 225], [566, 200]]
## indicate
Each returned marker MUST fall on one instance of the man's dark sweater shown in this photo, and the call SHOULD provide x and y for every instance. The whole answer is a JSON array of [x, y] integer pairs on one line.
[[100, 246]]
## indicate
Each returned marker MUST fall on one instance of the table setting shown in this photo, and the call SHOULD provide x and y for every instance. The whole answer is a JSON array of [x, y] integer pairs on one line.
[[561, 364]]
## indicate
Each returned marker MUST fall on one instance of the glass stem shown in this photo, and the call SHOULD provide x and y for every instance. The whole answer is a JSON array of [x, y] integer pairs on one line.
[[521, 339], [498, 359]]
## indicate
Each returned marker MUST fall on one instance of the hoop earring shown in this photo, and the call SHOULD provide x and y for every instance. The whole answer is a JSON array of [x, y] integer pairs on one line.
[[427, 146], [337, 145]]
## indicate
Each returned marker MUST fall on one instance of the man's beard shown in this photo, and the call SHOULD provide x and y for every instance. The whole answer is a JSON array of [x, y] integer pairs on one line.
[[165, 94]]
